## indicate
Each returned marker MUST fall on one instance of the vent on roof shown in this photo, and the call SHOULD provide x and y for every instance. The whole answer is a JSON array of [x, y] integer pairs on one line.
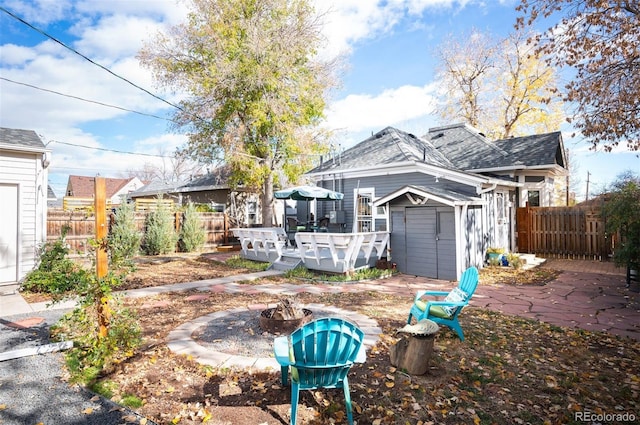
[[438, 135], [412, 136], [482, 134]]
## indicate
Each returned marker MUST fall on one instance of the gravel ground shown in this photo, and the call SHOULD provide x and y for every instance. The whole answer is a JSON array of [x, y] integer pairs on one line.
[[32, 390], [240, 334]]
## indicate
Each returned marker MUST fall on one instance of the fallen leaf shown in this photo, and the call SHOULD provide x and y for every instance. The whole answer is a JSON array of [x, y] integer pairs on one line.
[[88, 411]]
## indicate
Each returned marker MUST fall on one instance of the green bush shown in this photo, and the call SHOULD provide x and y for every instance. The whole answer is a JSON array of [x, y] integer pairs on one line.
[[192, 235], [54, 272], [160, 236], [621, 213], [91, 357], [124, 238]]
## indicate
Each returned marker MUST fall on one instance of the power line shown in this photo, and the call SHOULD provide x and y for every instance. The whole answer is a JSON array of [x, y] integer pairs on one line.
[[83, 99], [90, 60], [108, 150]]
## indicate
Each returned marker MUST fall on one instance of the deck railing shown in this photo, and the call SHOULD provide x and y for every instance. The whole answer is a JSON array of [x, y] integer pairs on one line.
[[341, 252], [261, 244], [330, 252]]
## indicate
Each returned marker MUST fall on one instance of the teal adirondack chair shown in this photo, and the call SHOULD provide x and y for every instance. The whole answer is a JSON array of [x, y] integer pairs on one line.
[[446, 312], [320, 355]]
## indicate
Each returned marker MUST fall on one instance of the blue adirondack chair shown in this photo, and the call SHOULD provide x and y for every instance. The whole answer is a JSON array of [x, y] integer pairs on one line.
[[446, 312], [320, 355]]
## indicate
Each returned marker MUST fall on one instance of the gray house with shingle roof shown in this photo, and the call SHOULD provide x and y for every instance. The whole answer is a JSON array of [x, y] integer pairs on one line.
[[445, 197], [23, 192]]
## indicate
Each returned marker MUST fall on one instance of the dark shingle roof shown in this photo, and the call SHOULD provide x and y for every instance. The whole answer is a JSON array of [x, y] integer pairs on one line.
[[387, 146], [469, 150], [216, 179], [531, 151], [20, 139], [465, 147]]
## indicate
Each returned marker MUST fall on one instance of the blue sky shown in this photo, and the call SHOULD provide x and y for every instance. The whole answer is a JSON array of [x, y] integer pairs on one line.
[[390, 80]]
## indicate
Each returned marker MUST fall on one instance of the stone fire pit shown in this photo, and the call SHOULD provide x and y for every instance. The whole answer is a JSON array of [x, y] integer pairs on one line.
[[282, 326], [284, 318]]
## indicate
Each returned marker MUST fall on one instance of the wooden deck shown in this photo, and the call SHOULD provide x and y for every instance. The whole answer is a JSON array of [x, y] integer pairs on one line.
[[329, 252]]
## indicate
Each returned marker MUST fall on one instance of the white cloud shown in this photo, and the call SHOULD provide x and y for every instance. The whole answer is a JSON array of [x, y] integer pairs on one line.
[[350, 21], [360, 112]]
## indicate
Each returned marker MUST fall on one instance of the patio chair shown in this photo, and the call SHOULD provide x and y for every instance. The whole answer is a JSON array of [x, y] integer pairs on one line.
[[320, 355], [446, 312], [323, 224]]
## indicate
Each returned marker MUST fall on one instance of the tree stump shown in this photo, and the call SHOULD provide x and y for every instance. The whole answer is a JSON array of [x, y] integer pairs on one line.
[[412, 353], [414, 350]]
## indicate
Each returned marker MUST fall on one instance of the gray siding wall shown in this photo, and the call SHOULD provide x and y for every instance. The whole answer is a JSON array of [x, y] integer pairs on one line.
[[383, 185], [474, 238], [25, 170]]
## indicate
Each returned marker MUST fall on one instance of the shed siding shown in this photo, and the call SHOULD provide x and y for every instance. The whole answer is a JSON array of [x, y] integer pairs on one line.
[[25, 170]]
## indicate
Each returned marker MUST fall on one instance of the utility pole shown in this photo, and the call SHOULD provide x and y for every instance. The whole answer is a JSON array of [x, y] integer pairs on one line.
[[587, 197]]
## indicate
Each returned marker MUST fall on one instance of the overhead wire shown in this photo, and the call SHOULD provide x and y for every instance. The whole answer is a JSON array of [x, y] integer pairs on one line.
[[83, 99], [108, 150], [14, 16]]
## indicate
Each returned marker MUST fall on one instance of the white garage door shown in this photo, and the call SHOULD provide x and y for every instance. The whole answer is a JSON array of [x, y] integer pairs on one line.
[[9, 234]]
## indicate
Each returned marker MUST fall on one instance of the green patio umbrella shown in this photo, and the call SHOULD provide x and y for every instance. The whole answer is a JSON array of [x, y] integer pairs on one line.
[[308, 193]]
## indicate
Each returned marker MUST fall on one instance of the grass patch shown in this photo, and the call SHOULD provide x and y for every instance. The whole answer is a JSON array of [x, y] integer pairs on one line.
[[364, 274], [105, 388], [131, 400], [241, 263]]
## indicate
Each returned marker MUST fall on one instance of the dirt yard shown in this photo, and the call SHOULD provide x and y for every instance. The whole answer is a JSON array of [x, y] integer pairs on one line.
[[507, 371]]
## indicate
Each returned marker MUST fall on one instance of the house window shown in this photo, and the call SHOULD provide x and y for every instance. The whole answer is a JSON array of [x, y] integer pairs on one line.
[[502, 207], [533, 198], [364, 212], [252, 210]]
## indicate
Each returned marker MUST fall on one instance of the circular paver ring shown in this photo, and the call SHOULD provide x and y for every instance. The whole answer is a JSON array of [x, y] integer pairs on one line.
[[181, 342]]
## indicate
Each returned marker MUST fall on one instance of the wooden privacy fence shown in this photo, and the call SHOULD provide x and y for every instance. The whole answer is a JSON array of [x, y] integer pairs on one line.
[[82, 228], [563, 231]]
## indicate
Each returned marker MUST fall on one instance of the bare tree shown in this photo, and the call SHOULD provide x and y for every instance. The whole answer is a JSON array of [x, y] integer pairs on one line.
[[600, 42], [501, 87]]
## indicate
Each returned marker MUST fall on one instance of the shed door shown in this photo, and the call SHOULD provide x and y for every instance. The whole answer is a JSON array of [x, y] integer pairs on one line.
[[9, 234], [423, 242]]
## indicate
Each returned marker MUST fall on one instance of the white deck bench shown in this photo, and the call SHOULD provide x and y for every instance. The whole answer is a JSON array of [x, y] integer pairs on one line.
[[261, 243], [341, 252]]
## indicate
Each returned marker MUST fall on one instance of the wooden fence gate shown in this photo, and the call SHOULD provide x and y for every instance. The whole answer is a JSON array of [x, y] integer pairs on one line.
[[574, 232]]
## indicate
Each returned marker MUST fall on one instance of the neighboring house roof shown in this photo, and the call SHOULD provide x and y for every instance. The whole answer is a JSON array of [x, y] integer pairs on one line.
[[21, 140], [387, 146], [84, 187], [469, 150], [155, 188], [215, 180], [51, 195]]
